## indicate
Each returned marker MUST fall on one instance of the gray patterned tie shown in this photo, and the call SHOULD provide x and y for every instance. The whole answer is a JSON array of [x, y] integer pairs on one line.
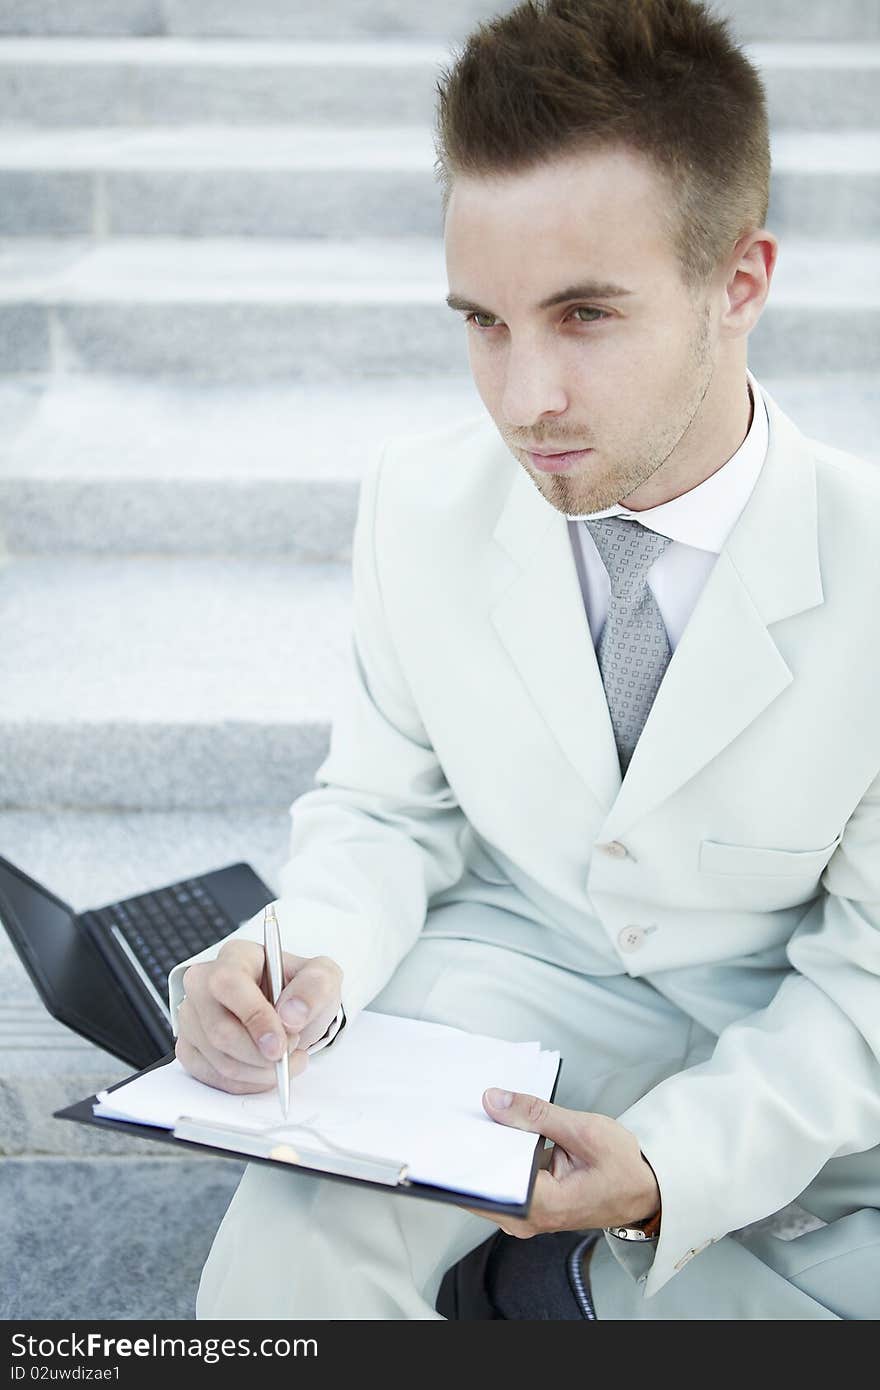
[[633, 648]]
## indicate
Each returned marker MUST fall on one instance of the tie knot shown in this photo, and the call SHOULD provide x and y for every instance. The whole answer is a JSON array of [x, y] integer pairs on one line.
[[628, 550]]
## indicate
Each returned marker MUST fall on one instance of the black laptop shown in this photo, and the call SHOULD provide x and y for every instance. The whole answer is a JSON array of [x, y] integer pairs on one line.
[[104, 972]]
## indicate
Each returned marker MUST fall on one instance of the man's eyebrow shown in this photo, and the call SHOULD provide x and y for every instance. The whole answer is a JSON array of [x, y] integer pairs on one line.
[[591, 289]]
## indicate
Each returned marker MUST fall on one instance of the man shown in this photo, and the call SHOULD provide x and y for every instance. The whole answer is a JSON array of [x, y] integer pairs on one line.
[[610, 772]]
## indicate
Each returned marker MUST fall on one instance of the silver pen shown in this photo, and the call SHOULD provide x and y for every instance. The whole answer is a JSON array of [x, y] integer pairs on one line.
[[275, 979]]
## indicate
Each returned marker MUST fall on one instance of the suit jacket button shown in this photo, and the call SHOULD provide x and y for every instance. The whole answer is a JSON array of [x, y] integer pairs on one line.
[[631, 938], [615, 849]]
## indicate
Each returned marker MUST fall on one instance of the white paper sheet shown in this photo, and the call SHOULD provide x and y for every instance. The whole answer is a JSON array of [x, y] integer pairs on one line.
[[397, 1088]]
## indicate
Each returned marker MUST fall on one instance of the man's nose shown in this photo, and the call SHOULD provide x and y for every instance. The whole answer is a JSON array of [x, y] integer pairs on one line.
[[533, 388]]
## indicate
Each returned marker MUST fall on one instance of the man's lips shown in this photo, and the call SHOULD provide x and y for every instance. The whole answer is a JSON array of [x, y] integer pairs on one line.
[[557, 463], [551, 453]]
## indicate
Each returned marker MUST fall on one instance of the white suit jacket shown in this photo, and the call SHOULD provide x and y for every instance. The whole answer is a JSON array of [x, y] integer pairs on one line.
[[475, 760]]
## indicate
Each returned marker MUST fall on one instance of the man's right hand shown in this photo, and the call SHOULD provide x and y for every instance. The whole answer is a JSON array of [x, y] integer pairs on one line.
[[230, 1036]]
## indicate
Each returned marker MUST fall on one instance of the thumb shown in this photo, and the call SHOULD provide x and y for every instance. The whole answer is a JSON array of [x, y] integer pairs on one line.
[[522, 1111], [310, 998], [294, 1006]]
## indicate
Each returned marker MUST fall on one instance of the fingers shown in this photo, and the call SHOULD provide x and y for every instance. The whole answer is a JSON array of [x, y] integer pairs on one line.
[[225, 1071], [234, 1014], [549, 1211], [203, 1070], [511, 1226], [230, 1035]]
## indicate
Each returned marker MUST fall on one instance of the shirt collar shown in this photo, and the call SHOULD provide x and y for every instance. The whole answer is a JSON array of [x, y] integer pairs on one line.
[[705, 515]]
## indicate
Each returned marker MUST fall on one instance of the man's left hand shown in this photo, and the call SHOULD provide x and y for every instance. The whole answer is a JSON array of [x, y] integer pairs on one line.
[[596, 1177]]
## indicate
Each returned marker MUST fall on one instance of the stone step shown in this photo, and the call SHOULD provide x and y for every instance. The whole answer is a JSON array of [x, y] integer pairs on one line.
[[44, 1067], [273, 181], [229, 309], [187, 682], [122, 466], [799, 19], [96, 1239], [115, 466], [318, 309], [752, 19], [261, 19], [89, 858], [286, 181], [170, 81]]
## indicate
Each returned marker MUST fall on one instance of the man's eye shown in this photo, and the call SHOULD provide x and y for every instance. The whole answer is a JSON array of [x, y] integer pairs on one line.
[[579, 309]]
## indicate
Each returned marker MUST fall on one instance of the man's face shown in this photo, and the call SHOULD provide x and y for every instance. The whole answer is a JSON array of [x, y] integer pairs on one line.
[[621, 375]]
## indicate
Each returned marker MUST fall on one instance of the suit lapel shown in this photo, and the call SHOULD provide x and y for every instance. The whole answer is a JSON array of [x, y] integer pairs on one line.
[[541, 621], [726, 668]]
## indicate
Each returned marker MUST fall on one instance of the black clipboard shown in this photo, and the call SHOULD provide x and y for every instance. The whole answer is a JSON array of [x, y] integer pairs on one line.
[[284, 1156]]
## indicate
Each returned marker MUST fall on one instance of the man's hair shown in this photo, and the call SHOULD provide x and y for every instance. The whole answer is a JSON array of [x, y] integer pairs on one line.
[[662, 77]]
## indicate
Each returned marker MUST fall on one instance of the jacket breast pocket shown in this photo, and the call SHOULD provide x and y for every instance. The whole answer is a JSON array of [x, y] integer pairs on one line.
[[757, 861]]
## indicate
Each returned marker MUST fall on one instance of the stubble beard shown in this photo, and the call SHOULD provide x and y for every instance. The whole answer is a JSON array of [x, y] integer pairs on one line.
[[577, 495]]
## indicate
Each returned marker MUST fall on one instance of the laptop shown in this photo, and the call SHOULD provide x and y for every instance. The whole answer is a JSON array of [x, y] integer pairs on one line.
[[104, 972]]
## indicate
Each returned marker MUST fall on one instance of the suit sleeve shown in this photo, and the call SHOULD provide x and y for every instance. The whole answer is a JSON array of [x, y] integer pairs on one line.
[[381, 832], [787, 1088]]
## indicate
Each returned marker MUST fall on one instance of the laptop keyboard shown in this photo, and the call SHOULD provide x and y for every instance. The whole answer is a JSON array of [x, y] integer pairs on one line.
[[167, 926]]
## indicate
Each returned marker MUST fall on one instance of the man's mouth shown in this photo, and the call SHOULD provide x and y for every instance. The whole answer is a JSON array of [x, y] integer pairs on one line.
[[558, 463]]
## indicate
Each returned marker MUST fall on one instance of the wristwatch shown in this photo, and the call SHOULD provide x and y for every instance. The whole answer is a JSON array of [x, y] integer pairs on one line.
[[335, 1027], [649, 1229]]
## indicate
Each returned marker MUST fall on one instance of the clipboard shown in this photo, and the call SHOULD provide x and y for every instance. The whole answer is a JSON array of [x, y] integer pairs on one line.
[[368, 1170]]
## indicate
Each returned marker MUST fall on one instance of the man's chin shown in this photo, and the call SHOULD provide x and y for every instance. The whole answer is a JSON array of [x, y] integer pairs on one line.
[[565, 492], [567, 500]]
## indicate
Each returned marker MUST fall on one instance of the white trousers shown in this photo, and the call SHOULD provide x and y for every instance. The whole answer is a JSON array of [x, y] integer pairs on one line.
[[293, 1246]]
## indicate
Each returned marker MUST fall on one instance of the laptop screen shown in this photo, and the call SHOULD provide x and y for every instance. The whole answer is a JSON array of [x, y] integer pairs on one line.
[[71, 976]]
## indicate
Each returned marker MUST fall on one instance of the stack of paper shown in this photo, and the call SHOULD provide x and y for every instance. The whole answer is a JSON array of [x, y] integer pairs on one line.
[[397, 1088]]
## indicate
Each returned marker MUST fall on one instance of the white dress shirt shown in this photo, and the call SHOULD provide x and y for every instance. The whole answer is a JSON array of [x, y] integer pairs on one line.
[[698, 521]]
